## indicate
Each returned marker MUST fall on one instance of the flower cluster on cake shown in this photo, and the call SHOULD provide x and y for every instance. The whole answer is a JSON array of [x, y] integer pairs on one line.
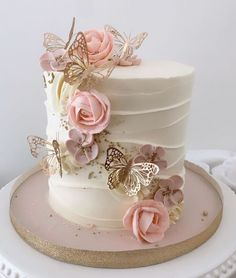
[[85, 60]]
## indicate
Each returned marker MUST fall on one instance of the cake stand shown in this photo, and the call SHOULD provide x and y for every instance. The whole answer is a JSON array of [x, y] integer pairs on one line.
[[215, 258]]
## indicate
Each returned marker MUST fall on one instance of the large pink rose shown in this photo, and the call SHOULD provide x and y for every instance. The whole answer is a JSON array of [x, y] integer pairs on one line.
[[148, 219], [89, 112], [100, 46]]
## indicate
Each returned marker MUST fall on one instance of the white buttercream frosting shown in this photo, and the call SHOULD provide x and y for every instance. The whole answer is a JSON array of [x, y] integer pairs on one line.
[[150, 104]]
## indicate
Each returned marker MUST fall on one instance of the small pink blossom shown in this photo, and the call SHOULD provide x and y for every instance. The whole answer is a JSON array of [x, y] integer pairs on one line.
[[54, 61], [148, 220], [152, 154], [130, 61], [170, 192], [82, 146]]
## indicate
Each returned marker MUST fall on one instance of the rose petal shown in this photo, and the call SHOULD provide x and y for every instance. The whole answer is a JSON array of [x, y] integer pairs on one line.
[[135, 225], [145, 220]]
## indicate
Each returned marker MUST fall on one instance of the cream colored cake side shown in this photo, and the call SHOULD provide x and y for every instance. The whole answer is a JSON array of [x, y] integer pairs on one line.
[[150, 105]]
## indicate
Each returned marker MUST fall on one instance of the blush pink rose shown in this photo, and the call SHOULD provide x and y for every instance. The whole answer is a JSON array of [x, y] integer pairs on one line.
[[148, 220], [100, 46], [54, 61], [89, 112]]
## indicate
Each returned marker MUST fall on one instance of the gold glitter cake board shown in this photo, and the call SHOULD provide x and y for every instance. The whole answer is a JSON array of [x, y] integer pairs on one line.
[[38, 225]]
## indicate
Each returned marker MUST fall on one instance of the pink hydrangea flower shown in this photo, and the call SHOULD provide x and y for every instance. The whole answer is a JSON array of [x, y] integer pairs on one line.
[[82, 146], [169, 192], [148, 220], [153, 154]]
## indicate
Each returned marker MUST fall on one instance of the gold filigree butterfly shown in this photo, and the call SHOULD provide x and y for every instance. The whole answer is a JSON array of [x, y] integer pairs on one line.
[[50, 152], [80, 69], [52, 42], [124, 173], [125, 43]]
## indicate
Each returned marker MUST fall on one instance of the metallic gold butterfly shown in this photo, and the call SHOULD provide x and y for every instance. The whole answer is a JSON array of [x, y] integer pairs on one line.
[[52, 42], [124, 43], [124, 173], [80, 69], [50, 152]]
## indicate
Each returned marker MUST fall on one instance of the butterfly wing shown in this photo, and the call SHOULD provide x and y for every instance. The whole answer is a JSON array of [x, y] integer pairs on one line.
[[38, 145], [71, 33], [132, 184], [50, 152], [115, 159], [52, 42], [114, 178], [120, 40], [145, 172], [78, 53], [140, 174], [136, 41], [116, 34], [49, 164], [115, 163], [57, 150], [104, 71]]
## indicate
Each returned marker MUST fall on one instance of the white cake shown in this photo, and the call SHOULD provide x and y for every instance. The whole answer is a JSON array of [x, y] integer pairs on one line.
[[149, 105]]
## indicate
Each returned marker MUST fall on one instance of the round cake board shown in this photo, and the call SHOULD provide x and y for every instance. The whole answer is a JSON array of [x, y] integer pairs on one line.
[[43, 229]]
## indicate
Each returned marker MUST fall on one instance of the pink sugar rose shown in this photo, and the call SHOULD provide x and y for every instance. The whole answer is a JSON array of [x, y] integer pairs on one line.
[[89, 112], [148, 220], [100, 46], [54, 61], [170, 192], [82, 146]]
